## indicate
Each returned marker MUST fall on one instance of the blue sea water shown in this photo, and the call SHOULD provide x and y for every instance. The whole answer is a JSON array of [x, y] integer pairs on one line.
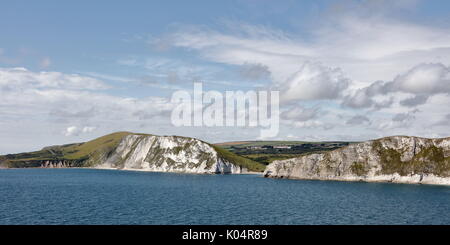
[[89, 196]]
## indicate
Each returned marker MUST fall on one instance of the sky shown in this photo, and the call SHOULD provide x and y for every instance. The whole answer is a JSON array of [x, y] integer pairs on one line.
[[351, 70]]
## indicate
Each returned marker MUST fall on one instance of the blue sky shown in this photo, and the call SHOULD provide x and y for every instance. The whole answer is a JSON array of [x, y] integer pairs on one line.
[[346, 70]]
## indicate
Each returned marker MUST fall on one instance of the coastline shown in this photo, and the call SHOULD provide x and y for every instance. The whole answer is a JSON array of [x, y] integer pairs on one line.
[[389, 179], [378, 179]]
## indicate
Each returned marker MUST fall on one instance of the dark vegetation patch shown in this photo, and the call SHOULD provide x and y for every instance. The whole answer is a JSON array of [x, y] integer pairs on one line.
[[430, 160], [359, 168]]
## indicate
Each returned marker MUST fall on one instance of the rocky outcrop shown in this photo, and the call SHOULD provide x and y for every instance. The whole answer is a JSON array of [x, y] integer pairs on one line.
[[165, 154], [398, 159]]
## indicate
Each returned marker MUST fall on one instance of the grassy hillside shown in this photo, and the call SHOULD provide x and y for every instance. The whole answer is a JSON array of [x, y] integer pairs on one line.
[[76, 153], [238, 160], [104, 144]]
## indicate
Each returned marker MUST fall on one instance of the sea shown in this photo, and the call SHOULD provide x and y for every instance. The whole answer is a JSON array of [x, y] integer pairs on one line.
[[93, 196]]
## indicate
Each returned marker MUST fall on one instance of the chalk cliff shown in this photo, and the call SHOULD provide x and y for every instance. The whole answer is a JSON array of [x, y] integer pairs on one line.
[[124, 150], [166, 154], [398, 159]]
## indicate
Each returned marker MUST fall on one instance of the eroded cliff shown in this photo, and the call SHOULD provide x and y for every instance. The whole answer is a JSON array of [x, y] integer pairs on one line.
[[166, 154], [399, 159]]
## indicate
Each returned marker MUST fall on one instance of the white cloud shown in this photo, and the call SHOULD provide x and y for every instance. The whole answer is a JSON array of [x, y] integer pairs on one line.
[[23, 78], [88, 129], [367, 48], [70, 131], [75, 131], [354, 46], [313, 82], [420, 82], [426, 79], [367, 41], [369, 97], [69, 105]]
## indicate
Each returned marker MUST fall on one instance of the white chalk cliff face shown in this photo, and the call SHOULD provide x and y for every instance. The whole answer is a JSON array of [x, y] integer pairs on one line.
[[166, 154], [398, 159]]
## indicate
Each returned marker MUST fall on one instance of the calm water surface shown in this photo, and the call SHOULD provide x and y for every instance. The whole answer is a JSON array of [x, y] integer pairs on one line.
[[88, 196]]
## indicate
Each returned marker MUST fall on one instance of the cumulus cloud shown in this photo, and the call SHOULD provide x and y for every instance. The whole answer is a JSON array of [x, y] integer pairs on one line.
[[420, 82], [72, 130], [75, 131], [423, 79], [88, 129], [364, 97], [313, 81]]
